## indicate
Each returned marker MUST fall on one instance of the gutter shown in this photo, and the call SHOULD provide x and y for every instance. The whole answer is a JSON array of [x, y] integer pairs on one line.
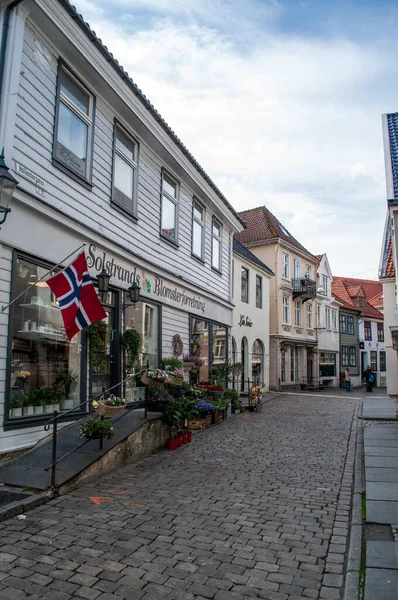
[[4, 39]]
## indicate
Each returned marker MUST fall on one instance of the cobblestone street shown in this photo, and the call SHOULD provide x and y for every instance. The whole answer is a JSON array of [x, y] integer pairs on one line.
[[255, 508]]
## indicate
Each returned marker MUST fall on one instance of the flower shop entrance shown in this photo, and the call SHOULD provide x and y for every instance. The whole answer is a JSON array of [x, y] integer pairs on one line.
[[104, 364]]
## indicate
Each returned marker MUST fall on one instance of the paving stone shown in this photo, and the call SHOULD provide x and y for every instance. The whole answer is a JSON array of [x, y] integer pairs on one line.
[[381, 583]]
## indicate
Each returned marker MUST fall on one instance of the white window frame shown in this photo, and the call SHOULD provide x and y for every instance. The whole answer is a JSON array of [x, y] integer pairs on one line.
[[328, 318], [319, 315], [310, 316], [286, 310], [88, 120], [334, 320], [201, 223], [175, 201], [244, 270], [285, 265], [308, 271], [216, 238], [297, 268], [325, 280], [297, 313], [133, 164]]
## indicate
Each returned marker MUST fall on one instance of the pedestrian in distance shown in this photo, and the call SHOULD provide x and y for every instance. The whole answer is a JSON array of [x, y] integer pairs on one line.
[[347, 379], [369, 378]]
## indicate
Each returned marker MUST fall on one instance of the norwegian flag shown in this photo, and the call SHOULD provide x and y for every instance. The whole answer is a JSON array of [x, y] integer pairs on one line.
[[77, 298]]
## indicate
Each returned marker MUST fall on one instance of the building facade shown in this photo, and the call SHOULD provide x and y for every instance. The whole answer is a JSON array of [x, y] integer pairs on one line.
[[328, 326], [250, 331], [389, 256], [349, 316], [97, 164], [293, 316]]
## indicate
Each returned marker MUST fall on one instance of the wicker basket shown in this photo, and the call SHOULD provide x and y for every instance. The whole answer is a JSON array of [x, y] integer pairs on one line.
[[151, 382], [174, 380], [108, 411]]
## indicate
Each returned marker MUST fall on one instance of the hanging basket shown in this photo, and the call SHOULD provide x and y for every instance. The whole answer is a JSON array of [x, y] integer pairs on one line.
[[108, 411], [151, 382], [174, 380]]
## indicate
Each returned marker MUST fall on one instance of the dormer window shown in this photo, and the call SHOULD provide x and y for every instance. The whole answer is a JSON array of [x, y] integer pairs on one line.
[[361, 301]]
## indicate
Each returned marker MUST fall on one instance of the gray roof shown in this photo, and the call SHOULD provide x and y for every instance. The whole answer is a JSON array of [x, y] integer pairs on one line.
[[127, 79], [245, 253]]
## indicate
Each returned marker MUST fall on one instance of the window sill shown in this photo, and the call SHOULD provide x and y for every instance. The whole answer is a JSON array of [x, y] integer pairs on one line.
[[171, 242], [198, 258], [123, 211], [65, 169], [244, 301], [216, 270], [34, 421]]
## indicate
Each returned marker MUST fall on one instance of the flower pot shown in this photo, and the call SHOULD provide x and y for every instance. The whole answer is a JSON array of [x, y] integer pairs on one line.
[[179, 441], [28, 411], [67, 404], [16, 412], [184, 438], [189, 436], [38, 410], [56, 407], [172, 444], [49, 408]]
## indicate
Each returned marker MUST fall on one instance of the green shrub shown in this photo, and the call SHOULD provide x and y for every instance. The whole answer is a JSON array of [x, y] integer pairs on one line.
[[173, 362]]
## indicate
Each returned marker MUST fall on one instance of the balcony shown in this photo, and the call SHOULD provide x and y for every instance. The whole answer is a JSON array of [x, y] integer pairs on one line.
[[304, 288]]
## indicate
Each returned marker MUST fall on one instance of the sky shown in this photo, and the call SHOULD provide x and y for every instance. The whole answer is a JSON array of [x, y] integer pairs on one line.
[[280, 101]]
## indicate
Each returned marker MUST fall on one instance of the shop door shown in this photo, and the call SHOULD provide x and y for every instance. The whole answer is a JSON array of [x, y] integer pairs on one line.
[[105, 372], [310, 367]]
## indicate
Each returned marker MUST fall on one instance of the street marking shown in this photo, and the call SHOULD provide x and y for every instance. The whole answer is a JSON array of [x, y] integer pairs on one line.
[[104, 500]]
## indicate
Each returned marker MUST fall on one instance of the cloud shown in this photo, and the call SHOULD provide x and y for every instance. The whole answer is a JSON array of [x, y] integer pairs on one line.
[[291, 121]]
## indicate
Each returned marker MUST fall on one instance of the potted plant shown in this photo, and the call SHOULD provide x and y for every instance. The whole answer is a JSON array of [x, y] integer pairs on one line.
[[95, 428], [22, 377], [155, 378], [171, 363], [66, 384], [190, 412], [97, 338], [16, 403], [132, 344], [172, 415], [206, 410], [28, 408], [36, 400], [109, 407]]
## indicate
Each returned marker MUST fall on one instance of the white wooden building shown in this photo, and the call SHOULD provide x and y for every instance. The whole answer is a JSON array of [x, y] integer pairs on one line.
[[96, 163]]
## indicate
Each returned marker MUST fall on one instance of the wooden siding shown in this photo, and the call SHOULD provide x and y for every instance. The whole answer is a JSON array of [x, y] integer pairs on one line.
[[33, 149], [174, 321], [350, 340]]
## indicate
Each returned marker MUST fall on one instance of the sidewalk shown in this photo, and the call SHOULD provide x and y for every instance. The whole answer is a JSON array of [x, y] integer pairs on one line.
[[381, 485]]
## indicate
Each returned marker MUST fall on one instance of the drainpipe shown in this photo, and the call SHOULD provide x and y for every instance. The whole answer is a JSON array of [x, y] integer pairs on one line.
[[4, 38]]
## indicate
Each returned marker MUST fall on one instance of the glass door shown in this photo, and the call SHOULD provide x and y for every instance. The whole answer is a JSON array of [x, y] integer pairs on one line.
[[104, 366]]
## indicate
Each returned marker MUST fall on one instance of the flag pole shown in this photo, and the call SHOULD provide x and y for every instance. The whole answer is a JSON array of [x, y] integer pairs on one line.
[[3, 308]]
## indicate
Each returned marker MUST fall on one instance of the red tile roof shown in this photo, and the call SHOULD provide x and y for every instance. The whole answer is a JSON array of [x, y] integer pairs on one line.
[[354, 288], [340, 292], [390, 268], [319, 257], [262, 225]]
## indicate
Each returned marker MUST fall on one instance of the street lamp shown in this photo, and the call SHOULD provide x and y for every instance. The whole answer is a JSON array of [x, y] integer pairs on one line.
[[134, 295], [8, 183], [103, 283]]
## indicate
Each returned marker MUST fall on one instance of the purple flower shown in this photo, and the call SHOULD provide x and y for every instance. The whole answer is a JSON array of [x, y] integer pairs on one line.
[[205, 406]]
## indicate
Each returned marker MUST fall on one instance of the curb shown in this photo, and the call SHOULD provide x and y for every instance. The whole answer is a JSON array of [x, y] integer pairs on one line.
[[22, 506], [352, 578]]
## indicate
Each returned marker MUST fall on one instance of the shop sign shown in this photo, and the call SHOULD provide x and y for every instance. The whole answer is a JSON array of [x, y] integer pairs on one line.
[[245, 321], [150, 284]]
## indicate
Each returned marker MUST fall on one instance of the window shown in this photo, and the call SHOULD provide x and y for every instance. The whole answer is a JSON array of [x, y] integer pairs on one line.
[[328, 318], [233, 278], [296, 364], [283, 365], [380, 332], [292, 371], [325, 284], [350, 325], [361, 301], [125, 157], [244, 285], [344, 356], [309, 316], [259, 291], [44, 369], [352, 355], [286, 309], [216, 245], [297, 313], [169, 207], [343, 324], [327, 364], [198, 230], [373, 360], [297, 268], [382, 360], [285, 265], [368, 330], [308, 271], [257, 362], [319, 314], [74, 125], [334, 319]]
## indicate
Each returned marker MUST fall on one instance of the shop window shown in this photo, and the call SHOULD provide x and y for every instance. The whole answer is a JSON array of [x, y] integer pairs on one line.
[[125, 160], [327, 364], [380, 332], [219, 344], [170, 191], [200, 345], [44, 366], [74, 125]]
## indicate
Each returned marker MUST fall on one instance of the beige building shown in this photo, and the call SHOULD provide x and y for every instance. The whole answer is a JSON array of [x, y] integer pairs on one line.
[[293, 361]]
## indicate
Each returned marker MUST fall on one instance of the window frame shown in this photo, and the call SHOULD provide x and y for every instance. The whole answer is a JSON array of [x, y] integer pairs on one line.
[[297, 312], [380, 332], [325, 285], [297, 268], [133, 164], [383, 362], [285, 265], [350, 325], [352, 353], [259, 288], [310, 316], [283, 365], [344, 356], [202, 224], [244, 270], [328, 318], [343, 324], [373, 360], [89, 120], [334, 320], [218, 238], [286, 305], [308, 271], [367, 328], [175, 201]]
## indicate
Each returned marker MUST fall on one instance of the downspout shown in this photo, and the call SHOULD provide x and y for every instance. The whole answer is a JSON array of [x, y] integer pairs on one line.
[[4, 39]]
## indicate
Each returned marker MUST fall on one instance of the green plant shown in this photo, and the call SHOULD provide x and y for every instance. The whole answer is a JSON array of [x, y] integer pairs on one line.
[[132, 343], [95, 428], [173, 362], [189, 408], [97, 338], [67, 381], [172, 415], [17, 399], [35, 397], [231, 395], [220, 374]]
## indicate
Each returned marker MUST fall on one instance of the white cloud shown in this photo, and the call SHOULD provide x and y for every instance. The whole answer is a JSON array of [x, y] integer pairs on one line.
[[290, 122]]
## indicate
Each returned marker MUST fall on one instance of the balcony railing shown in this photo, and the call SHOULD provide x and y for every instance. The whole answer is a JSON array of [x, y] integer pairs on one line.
[[304, 288]]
